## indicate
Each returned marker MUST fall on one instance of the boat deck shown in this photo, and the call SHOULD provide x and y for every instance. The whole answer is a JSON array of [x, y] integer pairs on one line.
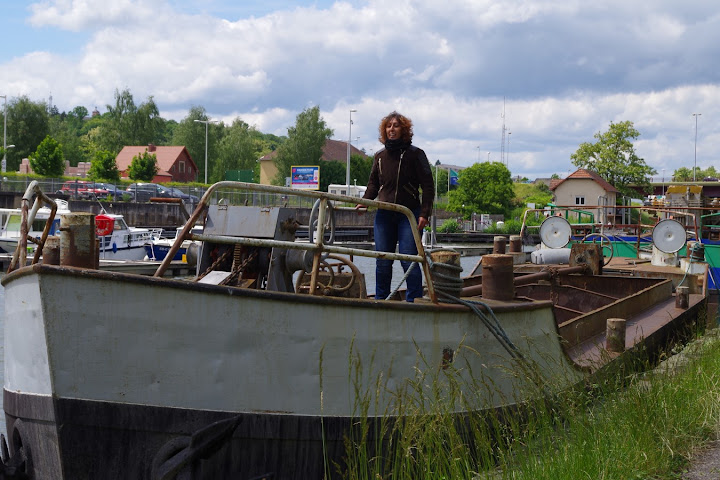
[[649, 323]]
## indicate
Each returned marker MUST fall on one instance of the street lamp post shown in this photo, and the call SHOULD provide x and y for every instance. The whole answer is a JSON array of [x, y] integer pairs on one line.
[[663, 183], [4, 159], [347, 174], [433, 227], [696, 115], [488, 156], [206, 122]]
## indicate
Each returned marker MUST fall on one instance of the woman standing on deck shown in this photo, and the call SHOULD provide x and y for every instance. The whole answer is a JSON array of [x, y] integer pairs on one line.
[[399, 173]]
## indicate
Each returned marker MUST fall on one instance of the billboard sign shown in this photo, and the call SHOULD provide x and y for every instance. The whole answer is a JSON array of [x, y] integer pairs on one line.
[[305, 177]]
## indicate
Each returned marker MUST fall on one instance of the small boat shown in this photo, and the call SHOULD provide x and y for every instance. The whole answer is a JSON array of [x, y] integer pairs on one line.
[[118, 241], [260, 366], [158, 248], [11, 219]]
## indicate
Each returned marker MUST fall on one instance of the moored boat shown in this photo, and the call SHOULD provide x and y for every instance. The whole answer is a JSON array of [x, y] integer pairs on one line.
[[158, 248], [256, 368], [118, 241]]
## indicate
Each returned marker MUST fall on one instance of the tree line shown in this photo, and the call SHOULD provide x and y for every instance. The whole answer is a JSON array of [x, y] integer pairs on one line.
[[49, 137]]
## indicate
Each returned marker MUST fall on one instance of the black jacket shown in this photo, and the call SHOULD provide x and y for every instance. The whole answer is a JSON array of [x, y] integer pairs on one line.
[[411, 167]]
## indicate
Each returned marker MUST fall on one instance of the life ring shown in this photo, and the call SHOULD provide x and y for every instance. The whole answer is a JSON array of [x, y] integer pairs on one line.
[[104, 225]]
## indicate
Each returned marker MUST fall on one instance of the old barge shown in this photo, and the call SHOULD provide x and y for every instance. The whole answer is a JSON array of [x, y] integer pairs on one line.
[[250, 370]]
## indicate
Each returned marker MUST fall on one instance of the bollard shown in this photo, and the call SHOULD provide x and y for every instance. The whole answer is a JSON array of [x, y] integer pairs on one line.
[[499, 245], [615, 335], [682, 297], [51, 251], [515, 244], [446, 271], [498, 282], [77, 240]]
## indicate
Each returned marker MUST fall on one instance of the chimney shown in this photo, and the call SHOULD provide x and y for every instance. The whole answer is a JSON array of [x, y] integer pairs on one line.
[[151, 147]]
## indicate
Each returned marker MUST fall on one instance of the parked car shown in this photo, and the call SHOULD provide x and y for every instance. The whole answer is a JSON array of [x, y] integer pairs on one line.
[[143, 192], [113, 191], [186, 197], [82, 189]]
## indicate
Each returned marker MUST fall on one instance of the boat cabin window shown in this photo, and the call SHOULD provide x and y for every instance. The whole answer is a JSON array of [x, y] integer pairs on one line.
[[580, 200], [13, 224], [120, 224]]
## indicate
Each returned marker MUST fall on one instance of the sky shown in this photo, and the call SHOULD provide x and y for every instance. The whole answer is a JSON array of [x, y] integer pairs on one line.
[[524, 82]]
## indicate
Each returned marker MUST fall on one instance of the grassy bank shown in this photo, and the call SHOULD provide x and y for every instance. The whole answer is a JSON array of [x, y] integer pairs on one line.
[[646, 430]]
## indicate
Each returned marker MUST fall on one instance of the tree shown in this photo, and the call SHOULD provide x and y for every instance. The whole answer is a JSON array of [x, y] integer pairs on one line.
[[441, 179], [304, 144], [682, 174], [237, 151], [127, 124], [483, 188], [685, 174], [103, 167], [48, 160], [331, 173], [613, 157], [360, 166], [66, 129], [143, 167], [27, 126]]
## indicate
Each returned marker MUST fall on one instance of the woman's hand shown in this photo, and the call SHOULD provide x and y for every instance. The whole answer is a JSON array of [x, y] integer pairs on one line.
[[361, 208], [422, 222]]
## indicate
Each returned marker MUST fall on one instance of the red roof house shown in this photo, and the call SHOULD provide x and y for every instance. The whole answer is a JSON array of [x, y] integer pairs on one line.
[[174, 162]]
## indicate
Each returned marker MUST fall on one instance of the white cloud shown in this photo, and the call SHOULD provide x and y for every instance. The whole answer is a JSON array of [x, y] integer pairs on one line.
[[78, 15]]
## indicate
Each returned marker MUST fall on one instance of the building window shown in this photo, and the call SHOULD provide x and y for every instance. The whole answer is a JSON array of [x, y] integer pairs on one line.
[[181, 166], [580, 200]]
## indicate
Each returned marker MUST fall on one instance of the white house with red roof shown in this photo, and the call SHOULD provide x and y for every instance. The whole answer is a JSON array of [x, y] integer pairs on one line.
[[174, 162], [587, 191]]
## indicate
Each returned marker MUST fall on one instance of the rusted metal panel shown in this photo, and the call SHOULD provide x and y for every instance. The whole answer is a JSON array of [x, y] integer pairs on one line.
[[592, 323]]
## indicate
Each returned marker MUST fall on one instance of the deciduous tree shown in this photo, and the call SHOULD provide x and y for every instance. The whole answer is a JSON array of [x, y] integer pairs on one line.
[[27, 126], [238, 150], [483, 188], [48, 160], [304, 144], [613, 157], [127, 124], [143, 167], [104, 167]]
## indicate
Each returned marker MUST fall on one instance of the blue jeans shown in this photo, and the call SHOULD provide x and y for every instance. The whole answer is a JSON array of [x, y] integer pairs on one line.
[[393, 229]]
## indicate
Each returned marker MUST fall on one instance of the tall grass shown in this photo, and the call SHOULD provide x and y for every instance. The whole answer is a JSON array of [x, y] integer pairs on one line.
[[647, 429]]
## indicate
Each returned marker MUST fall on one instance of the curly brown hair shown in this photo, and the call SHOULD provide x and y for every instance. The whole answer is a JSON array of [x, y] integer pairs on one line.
[[406, 126]]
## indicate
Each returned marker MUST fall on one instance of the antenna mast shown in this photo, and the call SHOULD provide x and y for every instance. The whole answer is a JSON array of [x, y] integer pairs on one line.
[[502, 139]]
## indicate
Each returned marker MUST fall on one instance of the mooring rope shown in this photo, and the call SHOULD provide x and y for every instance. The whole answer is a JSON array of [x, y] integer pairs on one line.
[[449, 287]]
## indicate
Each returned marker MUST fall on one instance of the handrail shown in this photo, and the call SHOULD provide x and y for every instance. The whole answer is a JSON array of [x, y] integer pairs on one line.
[[673, 211], [27, 218], [318, 247]]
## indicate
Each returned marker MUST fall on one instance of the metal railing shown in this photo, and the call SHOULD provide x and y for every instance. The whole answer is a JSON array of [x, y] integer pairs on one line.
[[27, 218], [318, 247]]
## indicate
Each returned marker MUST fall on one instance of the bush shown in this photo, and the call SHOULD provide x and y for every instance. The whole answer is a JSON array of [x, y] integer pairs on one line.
[[449, 226]]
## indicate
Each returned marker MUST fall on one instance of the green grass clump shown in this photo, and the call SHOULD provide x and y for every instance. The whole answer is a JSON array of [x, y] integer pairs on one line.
[[647, 429]]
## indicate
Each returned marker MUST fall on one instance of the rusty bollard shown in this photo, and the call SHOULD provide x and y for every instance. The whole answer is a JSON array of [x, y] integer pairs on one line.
[[515, 244], [51, 251], [498, 282], [615, 335], [682, 297], [78, 247], [499, 244]]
